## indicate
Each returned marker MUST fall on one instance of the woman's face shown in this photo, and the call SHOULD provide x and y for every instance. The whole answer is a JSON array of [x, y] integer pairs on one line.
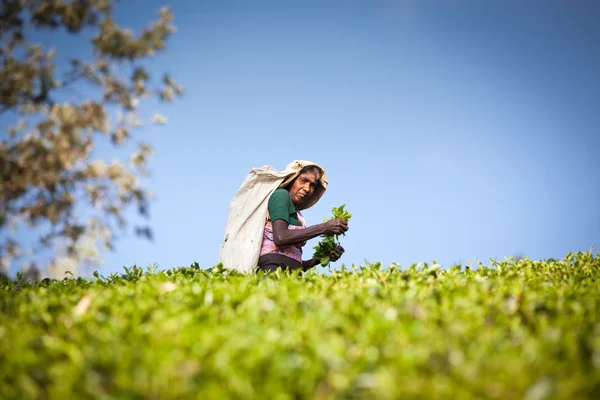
[[303, 187]]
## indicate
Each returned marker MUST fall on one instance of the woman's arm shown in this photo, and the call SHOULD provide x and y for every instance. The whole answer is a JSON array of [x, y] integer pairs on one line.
[[283, 236], [308, 264]]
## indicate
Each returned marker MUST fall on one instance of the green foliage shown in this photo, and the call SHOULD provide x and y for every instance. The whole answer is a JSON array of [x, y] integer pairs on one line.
[[512, 330], [326, 246]]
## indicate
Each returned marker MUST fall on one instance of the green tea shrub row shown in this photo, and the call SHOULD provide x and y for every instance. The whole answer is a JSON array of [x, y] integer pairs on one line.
[[527, 330]]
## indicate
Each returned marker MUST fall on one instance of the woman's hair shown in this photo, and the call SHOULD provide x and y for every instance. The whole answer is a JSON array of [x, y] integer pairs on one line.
[[312, 168], [309, 168]]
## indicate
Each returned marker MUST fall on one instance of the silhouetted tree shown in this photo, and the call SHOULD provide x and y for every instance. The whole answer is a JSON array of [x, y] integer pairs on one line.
[[47, 169]]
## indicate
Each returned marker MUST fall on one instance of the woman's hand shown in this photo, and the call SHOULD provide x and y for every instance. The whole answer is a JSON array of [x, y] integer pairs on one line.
[[334, 256], [336, 227], [336, 253]]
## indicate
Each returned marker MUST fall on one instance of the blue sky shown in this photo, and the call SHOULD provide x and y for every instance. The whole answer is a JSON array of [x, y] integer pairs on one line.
[[452, 130]]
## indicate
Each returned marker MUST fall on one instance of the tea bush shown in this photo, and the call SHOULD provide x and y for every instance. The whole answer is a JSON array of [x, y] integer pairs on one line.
[[525, 329]]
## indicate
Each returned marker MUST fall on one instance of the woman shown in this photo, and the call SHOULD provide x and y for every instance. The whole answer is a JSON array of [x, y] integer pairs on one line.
[[285, 231]]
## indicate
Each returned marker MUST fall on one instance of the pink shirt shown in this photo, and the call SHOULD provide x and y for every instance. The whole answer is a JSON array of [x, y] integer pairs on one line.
[[291, 250]]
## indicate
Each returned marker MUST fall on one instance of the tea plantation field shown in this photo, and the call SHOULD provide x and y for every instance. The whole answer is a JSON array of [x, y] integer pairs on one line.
[[508, 330]]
